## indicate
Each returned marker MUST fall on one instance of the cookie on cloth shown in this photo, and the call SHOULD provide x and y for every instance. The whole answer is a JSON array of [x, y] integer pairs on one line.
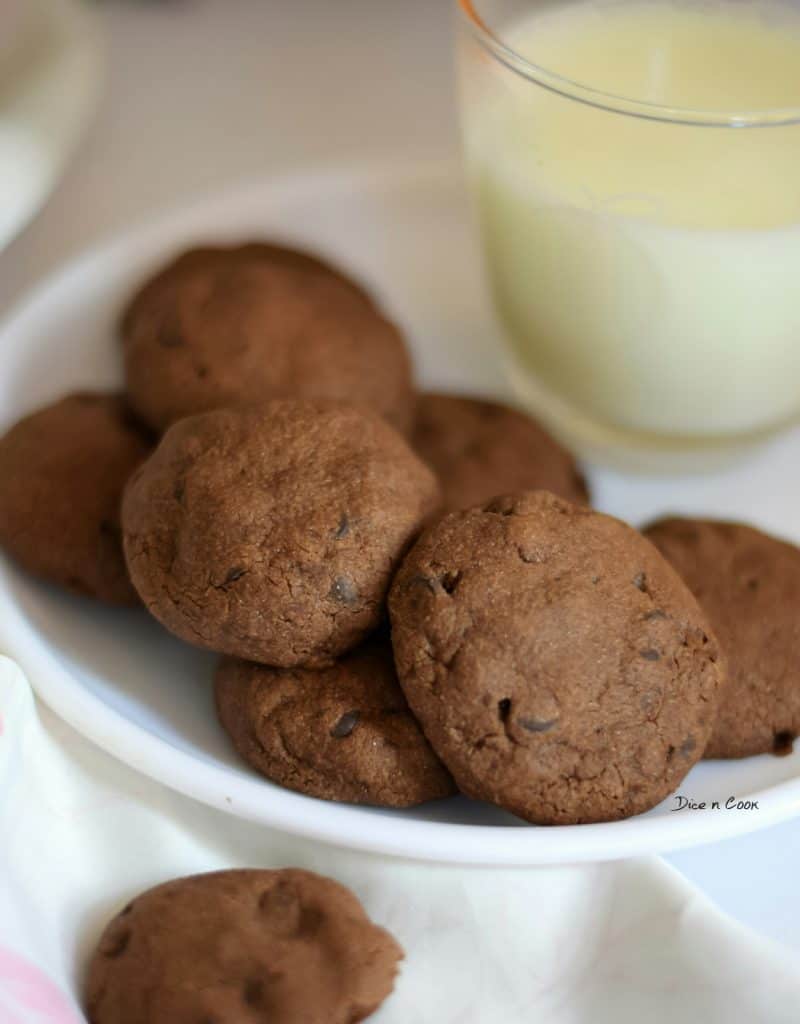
[[558, 665], [271, 532], [480, 449], [267, 947], [62, 472], [748, 584], [223, 326], [344, 733]]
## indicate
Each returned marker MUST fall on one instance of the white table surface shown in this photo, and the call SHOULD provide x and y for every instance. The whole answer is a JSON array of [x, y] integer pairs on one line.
[[204, 93]]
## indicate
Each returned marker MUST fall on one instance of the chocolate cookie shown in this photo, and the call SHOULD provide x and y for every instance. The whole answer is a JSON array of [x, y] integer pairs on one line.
[[240, 325], [344, 733], [62, 471], [480, 449], [558, 665], [749, 586], [271, 532], [151, 292], [262, 947]]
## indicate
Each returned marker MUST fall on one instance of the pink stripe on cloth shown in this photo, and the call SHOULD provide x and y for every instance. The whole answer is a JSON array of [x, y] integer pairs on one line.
[[28, 995]]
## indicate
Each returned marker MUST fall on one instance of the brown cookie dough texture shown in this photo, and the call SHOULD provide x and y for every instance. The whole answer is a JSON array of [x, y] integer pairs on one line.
[[749, 587], [202, 257], [62, 472], [344, 733], [271, 532], [262, 947], [558, 665], [480, 449], [223, 326]]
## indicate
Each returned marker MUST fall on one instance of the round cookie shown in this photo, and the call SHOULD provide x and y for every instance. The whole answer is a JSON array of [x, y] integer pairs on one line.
[[749, 587], [265, 947], [271, 532], [241, 325], [480, 449], [558, 665], [344, 733], [63, 469], [149, 294]]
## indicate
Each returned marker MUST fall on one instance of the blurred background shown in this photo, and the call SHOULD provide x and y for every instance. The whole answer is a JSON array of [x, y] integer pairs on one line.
[[196, 94]]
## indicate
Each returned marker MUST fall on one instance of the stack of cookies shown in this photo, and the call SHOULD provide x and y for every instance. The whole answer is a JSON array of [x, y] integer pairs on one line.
[[410, 593]]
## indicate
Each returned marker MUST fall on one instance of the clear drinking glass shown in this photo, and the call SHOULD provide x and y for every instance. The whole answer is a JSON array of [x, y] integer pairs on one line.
[[636, 171]]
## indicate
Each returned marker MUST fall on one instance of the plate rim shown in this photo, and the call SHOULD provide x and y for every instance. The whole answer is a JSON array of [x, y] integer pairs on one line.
[[342, 825]]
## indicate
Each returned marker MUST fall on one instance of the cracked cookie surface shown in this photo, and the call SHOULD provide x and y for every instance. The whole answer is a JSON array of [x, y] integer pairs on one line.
[[480, 449], [221, 326], [748, 584], [266, 947], [557, 664], [63, 469], [271, 532], [344, 733]]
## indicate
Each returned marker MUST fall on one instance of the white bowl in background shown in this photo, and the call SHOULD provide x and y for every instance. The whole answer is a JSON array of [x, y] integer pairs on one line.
[[50, 73]]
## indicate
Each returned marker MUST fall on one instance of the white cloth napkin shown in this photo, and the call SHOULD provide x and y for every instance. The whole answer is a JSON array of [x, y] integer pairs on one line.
[[80, 834]]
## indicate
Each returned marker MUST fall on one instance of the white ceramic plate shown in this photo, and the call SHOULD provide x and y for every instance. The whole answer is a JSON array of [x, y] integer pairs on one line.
[[134, 690]]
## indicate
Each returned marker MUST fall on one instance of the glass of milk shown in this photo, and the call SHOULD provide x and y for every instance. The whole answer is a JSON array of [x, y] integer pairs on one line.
[[636, 170]]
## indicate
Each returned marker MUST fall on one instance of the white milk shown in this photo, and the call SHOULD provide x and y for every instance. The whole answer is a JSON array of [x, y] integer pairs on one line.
[[648, 273]]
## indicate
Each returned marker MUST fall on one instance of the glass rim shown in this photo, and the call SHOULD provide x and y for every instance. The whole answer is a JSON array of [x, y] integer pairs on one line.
[[612, 102]]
